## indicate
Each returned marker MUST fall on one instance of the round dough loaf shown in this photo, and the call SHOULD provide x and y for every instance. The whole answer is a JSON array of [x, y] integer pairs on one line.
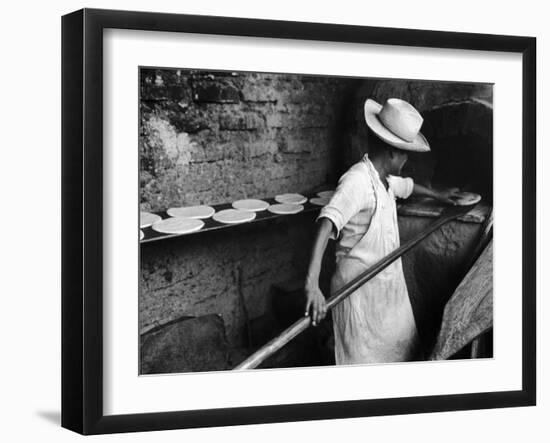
[[294, 199], [175, 225], [200, 211], [146, 219], [325, 194], [319, 201], [233, 216], [250, 205], [285, 208], [466, 198]]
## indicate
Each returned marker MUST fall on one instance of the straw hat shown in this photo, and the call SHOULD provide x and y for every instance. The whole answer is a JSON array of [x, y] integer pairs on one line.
[[397, 123]]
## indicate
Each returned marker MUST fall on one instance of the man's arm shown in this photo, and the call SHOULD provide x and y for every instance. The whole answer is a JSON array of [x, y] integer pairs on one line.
[[315, 299], [442, 196]]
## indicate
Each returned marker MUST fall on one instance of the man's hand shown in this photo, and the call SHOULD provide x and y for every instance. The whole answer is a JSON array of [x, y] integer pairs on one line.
[[315, 303], [448, 196]]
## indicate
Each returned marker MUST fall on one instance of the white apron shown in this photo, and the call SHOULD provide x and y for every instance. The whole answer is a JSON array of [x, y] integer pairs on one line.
[[375, 323]]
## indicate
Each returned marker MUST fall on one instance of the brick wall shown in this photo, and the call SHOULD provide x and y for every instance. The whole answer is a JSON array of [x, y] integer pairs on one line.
[[230, 274], [214, 137]]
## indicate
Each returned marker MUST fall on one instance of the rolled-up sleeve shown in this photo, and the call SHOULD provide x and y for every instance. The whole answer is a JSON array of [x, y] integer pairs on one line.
[[345, 203], [402, 187]]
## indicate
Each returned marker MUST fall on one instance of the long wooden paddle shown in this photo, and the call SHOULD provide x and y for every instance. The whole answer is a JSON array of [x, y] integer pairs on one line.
[[449, 214]]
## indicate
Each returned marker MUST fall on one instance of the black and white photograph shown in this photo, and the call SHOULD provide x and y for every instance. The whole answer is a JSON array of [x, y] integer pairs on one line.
[[290, 220], [274, 222]]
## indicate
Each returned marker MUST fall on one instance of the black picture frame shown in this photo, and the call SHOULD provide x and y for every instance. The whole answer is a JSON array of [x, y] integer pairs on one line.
[[82, 218]]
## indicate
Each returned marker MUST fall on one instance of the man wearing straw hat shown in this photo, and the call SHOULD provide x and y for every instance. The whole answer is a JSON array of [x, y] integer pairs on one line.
[[375, 323]]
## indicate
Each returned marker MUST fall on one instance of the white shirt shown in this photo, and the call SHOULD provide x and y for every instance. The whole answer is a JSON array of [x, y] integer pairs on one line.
[[351, 207]]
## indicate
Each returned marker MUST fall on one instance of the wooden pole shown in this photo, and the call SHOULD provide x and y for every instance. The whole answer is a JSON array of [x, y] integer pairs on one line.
[[476, 345], [303, 323]]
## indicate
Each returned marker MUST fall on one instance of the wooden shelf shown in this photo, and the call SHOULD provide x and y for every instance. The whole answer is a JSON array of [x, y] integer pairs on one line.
[[416, 208], [212, 225], [430, 208]]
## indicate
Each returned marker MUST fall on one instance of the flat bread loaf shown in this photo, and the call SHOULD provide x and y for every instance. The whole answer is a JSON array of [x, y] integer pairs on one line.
[[177, 225]]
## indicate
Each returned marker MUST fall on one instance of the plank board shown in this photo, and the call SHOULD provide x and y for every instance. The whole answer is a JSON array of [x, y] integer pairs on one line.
[[210, 224], [469, 312], [424, 208]]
